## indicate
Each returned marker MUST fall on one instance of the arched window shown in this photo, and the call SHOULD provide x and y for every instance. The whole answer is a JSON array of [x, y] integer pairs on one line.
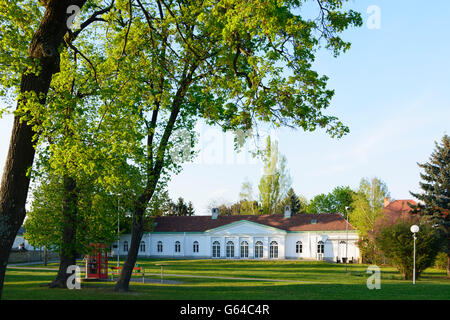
[[160, 246], [216, 249], [177, 246], [320, 247], [125, 246], [298, 247], [230, 249], [274, 249], [142, 246], [195, 246], [244, 249], [259, 249]]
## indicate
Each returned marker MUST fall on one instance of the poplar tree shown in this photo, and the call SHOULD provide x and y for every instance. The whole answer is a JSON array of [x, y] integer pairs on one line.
[[275, 182]]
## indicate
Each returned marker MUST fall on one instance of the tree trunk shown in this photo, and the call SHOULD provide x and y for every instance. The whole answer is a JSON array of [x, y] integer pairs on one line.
[[68, 253], [45, 256], [137, 231], [448, 264], [15, 180]]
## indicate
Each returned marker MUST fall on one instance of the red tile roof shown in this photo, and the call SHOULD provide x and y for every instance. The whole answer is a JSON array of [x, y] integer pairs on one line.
[[299, 222], [398, 209]]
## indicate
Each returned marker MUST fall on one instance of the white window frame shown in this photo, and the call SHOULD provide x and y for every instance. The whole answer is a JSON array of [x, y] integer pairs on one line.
[[299, 247], [244, 249], [320, 247], [230, 249], [273, 249], [195, 246], [159, 246], [259, 249], [216, 249]]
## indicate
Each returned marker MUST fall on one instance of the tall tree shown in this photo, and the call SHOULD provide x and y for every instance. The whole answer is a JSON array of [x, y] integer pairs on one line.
[[294, 202], [224, 62], [36, 70], [69, 131], [248, 206], [190, 209], [275, 182], [367, 204], [435, 198], [321, 203], [366, 209], [336, 201], [96, 216]]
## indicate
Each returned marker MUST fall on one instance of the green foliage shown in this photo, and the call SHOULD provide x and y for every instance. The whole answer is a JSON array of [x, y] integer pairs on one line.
[[162, 205], [336, 201], [367, 205], [96, 216], [142, 72], [18, 21], [395, 241], [436, 181], [369, 252], [276, 181], [180, 208], [441, 261], [247, 205], [435, 184], [293, 201]]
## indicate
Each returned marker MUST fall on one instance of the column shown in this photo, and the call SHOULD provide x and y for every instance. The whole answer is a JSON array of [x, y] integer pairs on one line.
[[282, 248], [207, 243], [184, 244], [266, 248], [223, 248]]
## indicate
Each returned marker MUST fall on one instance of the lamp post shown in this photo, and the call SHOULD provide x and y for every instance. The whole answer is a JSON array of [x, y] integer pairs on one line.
[[414, 229], [346, 242]]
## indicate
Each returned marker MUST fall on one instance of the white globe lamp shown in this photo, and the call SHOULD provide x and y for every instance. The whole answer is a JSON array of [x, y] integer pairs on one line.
[[414, 229]]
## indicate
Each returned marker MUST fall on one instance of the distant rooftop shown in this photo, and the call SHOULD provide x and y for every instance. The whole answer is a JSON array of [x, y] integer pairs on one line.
[[298, 222]]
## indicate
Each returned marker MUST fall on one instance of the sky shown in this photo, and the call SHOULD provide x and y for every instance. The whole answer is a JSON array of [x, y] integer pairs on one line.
[[391, 89]]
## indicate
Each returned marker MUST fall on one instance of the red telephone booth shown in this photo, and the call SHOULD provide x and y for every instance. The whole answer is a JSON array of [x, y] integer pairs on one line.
[[97, 262]]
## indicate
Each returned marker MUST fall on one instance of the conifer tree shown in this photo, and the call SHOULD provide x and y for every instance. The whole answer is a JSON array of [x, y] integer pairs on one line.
[[293, 201], [435, 198]]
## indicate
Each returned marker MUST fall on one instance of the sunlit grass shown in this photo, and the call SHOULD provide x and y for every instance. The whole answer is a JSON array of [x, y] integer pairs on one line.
[[302, 280]]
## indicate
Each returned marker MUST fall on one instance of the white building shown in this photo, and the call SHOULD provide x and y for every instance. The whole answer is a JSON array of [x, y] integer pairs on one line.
[[306, 236], [21, 241]]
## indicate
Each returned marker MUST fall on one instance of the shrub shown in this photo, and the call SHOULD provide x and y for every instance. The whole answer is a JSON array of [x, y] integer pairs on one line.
[[441, 261], [396, 242]]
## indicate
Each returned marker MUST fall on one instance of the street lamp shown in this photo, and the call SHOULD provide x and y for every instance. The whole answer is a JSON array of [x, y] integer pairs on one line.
[[346, 242], [414, 229]]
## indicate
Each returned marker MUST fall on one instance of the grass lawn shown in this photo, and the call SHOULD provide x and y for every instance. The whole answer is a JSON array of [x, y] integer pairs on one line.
[[302, 280]]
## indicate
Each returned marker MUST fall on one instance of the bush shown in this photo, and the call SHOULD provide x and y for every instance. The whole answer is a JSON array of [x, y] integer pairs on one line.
[[369, 253], [441, 261], [396, 242]]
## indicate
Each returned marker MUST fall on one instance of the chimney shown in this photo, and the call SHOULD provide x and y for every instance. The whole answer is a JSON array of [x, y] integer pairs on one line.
[[387, 201], [287, 211], [214, 213]]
